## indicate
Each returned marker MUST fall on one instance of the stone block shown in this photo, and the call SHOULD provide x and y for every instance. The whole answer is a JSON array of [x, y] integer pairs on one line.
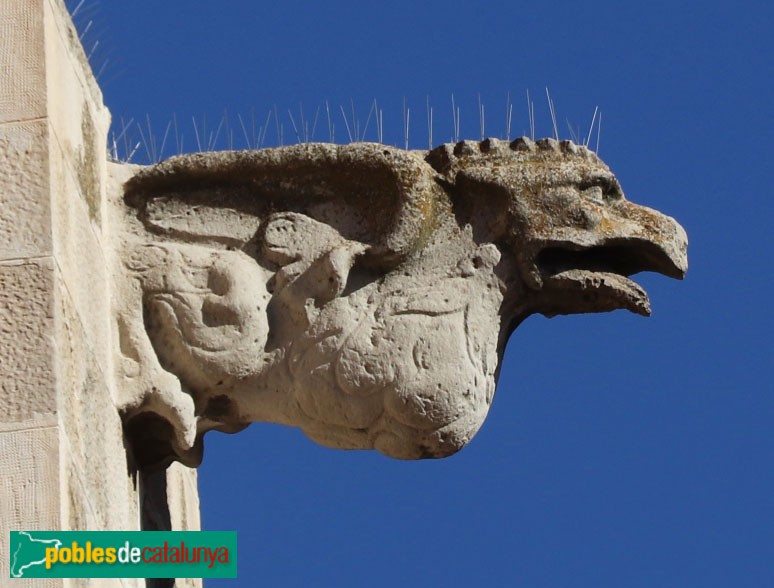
[[27, 387], [59, 25], [80, 256], [22, 61], [77, 118], [29, 486], [183, 498], [101, 492], [25, 209]]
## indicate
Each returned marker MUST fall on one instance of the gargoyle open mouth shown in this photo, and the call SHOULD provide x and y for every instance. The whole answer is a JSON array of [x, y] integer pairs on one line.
[[596, 279]]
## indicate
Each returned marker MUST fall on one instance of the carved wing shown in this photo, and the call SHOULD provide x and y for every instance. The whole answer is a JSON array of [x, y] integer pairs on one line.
[[381, 196]]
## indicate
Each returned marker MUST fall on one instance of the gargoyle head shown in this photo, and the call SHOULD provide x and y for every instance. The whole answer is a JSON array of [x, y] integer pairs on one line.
[[562, 211]]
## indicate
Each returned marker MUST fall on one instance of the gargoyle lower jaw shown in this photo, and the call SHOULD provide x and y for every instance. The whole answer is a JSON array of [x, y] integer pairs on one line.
[[596, 279]]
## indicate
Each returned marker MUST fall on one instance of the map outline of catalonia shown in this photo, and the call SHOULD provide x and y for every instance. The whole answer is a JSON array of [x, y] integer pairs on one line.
[[18, 572]]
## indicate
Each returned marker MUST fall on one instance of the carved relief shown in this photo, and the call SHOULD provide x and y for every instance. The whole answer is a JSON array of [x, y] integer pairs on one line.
[[362, 293]]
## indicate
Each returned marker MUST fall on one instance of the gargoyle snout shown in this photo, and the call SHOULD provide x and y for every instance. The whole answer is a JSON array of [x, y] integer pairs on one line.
[[660, 241], [587, 269]]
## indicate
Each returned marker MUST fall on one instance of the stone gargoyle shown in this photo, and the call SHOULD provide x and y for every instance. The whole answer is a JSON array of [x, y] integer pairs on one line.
[[360, 292]]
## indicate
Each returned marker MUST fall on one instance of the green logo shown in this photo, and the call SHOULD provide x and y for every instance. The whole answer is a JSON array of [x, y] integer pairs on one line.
[[123, 554]]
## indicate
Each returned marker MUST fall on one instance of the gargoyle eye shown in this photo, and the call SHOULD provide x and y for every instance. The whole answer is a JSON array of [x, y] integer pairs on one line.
[[611, 189], [605, 186], [594, 193]]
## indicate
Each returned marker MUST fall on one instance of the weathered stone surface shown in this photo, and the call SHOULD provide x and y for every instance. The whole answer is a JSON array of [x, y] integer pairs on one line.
[[27, 373], [183, 498], [29, 485], [99, 492], [25, 221], [22, 75], [82, 257], [362, 293], [78, 119]]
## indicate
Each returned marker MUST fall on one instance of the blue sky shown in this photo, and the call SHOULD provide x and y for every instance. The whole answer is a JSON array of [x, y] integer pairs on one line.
[[619, 451]]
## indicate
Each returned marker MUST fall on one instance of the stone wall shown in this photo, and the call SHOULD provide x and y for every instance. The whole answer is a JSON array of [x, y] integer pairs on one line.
[[63, 462]]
